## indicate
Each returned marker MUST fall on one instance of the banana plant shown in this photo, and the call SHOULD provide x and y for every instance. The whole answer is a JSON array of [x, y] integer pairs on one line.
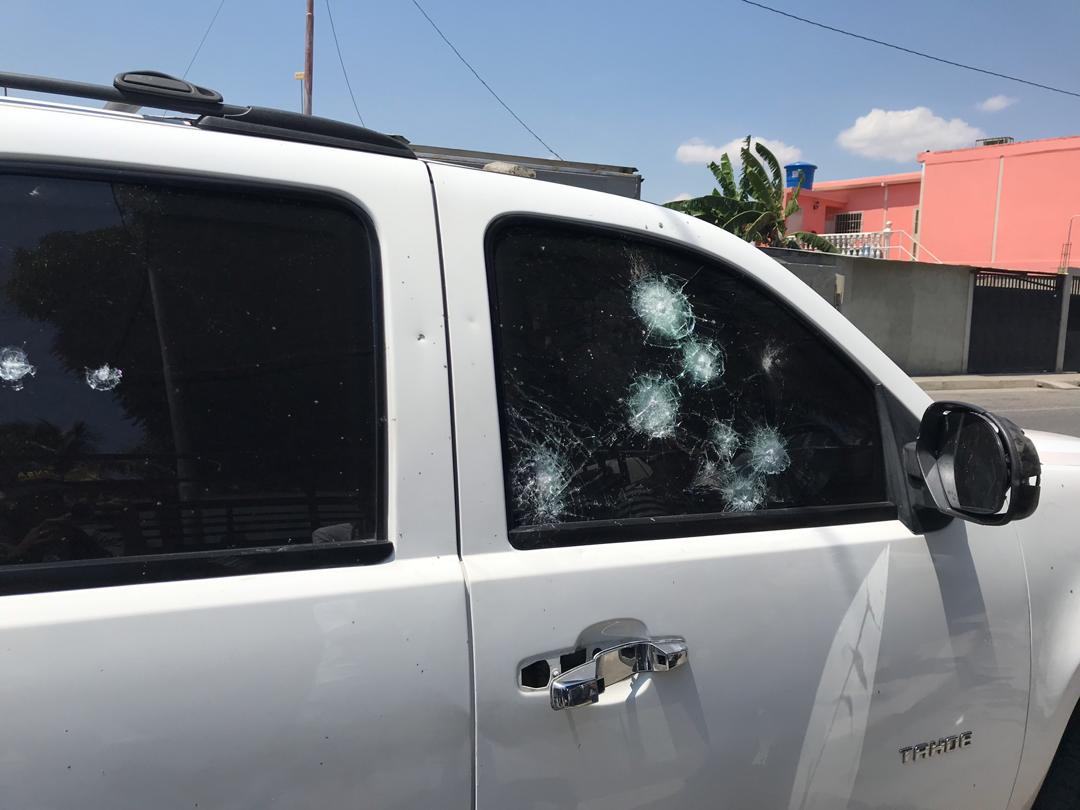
[[752, 207]]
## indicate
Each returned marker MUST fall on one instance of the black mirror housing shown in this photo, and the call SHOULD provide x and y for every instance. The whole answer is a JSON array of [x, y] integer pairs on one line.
[[975, 465]]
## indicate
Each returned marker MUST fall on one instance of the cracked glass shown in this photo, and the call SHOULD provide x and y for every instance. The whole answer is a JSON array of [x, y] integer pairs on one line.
[[640, 381]]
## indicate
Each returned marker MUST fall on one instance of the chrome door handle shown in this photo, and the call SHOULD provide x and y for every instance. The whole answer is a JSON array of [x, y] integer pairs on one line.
[[583, 684]]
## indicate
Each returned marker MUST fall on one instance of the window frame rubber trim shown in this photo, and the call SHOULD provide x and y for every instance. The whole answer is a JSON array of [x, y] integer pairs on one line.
[[105, 572]]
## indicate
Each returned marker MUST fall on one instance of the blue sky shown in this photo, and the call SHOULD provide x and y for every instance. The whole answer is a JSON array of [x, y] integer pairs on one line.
[[624, 82]]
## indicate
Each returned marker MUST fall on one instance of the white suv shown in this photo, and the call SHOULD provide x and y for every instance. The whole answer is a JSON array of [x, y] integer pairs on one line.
[[333, 478]]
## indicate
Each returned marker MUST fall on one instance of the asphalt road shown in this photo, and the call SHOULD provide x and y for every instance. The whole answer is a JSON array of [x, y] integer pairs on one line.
[[1034, 408]]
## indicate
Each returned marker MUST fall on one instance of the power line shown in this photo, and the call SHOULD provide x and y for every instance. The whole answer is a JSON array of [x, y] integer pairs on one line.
[[912, 52], [465, 62], [344, 72], [206, 33]]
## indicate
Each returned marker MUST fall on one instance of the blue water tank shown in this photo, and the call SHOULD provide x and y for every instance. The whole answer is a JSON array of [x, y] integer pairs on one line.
[[793, 172]]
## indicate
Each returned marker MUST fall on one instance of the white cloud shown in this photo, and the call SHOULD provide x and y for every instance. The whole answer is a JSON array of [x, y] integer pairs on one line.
[[996, 103], [698, 151], [902, 134], [681, 197]]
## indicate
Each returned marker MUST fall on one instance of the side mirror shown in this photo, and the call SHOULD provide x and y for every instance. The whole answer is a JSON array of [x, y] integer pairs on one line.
[[975, 466]]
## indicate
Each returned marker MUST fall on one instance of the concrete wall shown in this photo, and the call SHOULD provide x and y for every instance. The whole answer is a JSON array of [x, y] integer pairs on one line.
[[918, 314]]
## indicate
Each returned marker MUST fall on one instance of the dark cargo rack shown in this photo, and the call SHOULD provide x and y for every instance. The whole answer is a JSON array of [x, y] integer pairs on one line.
[[148, 88]]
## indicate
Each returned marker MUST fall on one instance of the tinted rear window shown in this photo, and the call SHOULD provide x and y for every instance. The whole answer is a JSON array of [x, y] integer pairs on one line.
[[183, 369]]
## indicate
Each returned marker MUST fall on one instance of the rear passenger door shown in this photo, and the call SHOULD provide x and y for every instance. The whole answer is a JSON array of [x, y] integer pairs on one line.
[[671, 449], [218, 387]]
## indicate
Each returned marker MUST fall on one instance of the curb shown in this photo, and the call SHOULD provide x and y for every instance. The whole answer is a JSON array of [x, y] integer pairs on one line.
[[978, 382]]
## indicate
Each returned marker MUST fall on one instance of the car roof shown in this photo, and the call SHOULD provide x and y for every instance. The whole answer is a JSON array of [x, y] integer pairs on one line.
[[134, 90]]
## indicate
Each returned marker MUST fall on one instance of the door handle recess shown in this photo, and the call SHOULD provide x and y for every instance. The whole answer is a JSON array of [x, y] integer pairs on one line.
[[584, 684]]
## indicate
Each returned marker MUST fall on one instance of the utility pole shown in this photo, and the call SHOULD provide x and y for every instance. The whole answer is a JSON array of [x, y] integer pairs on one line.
[[1066, 248], [309, 58]]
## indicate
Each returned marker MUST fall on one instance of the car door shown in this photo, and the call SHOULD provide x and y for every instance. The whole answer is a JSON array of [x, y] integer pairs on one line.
[[669, 447], [228, 573]]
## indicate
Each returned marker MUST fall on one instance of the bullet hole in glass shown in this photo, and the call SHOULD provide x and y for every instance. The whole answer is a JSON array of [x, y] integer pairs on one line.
[[14, 367], [104, 377]]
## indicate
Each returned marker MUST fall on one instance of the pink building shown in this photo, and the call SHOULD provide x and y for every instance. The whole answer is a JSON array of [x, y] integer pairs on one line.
[[1005, 205], [863, 206]]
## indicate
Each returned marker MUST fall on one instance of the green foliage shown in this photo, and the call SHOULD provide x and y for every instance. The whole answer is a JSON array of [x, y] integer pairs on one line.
[[752, 207]]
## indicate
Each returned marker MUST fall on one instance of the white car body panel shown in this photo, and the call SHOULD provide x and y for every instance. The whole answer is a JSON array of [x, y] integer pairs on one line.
[[297, 689], [1051, 544], [815, 654]]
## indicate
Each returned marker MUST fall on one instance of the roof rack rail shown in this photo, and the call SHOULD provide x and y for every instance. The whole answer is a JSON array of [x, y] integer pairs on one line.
[[149, 88]]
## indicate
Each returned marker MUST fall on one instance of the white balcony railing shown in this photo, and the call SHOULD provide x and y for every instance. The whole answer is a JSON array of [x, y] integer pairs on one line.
[[884, 244], [872, 244]]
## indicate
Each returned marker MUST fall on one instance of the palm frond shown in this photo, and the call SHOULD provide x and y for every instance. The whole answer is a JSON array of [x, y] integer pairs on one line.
[[751, 206], [770, 160], [812, 240], [725, 176], [792, 206], [760, 188], [747, 157], [710, 203], [738, 223], [760, 230]]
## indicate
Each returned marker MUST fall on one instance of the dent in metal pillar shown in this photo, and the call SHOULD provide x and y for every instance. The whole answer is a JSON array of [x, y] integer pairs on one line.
[[1065, 291]]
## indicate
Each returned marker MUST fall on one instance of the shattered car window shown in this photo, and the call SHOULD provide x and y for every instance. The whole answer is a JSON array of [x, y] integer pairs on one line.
[[181, 370], [638, 380]]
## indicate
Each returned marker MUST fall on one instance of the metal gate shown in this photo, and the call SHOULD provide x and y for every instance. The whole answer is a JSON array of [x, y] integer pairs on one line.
[[1015, 319], [1072, 328]]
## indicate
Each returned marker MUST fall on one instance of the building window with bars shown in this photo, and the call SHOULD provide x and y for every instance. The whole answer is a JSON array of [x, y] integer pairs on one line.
[[848, 222]]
